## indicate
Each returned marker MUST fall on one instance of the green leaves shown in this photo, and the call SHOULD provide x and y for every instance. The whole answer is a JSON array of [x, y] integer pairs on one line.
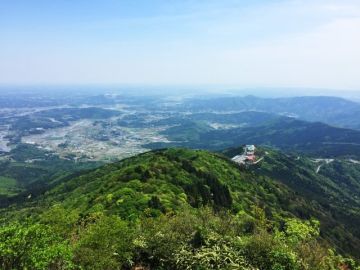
[[33, 246], [169, 209], [104, 244], [192, 239], [297, 231]]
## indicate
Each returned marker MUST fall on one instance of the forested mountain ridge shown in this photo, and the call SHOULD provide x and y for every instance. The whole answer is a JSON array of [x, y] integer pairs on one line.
[[160, 187], [331, 110], [331, 186], [284, 133]]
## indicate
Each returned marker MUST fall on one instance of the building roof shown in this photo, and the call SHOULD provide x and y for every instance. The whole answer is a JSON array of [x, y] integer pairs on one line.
[[250, 147]]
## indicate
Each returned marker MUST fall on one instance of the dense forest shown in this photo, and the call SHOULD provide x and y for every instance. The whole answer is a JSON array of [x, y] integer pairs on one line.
[[184, 209], [285, 133]]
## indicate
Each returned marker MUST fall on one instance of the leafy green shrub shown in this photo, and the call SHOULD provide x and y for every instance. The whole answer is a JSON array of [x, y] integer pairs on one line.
[[215, 253], [33, 246], [104, 244]]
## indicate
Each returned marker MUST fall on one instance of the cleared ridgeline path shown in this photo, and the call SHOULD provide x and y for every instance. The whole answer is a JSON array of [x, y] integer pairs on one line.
[[354, 161], [260, 159], [325, 160]]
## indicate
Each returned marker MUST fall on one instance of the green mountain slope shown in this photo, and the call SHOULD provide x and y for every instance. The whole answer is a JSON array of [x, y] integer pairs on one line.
[[331, 188], [189, 209], [28, 167], [177, 177], [167, 181]]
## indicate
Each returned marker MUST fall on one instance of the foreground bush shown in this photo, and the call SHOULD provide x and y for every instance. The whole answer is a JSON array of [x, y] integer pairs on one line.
[[192, 239]]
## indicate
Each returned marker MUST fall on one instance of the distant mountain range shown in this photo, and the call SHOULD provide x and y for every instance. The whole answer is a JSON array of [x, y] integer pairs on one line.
[[330, 110], [261, 128]]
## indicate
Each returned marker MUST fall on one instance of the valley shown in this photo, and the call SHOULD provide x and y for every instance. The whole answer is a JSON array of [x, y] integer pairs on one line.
[[99, 140], [109, 127], [140, 159]]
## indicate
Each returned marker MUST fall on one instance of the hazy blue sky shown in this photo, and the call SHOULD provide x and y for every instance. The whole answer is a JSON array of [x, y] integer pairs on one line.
[[314, 43]]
